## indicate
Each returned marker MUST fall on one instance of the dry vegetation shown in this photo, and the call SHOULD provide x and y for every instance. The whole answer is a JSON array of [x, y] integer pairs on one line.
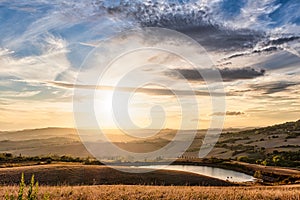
[[162, 192], [77, 174]]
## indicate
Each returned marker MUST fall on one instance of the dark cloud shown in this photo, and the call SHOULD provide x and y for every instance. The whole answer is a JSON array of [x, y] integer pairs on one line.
[[274, 87], [194, 19], [241, 42], [266, 49], [217, 38], [228, 113], [256, 51], [241, 73], [197, 25], [236, 55], [283, 40], [268, 46], [226, 73]]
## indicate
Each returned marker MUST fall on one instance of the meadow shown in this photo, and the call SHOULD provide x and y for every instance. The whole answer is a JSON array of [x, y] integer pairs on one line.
[[104, 192]]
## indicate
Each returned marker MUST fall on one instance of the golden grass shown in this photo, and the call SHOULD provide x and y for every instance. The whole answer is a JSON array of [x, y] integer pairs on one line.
[[163, 192]]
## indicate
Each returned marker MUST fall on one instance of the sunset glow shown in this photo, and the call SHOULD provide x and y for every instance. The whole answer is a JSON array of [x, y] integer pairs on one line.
[[42, 56]]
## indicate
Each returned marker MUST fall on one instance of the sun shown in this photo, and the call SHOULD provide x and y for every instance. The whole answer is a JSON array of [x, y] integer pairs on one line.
[[103, 109]]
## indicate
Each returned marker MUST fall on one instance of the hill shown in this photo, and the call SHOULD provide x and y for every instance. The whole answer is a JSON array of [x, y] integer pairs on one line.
[[273, 145], [253, 144], [78, 174]]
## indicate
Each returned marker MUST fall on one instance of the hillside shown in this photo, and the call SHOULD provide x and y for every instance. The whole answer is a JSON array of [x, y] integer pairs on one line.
[[255, 144], [272, 145], [78, 174]]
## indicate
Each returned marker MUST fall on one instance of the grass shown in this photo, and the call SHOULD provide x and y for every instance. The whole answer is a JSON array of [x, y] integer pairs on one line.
[[287, 192], [76, 174], [162, 192]]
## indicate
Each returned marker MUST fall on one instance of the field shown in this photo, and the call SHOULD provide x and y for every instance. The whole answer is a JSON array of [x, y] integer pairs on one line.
[[271, 154], [77, 174], [78, 181], [163, 192]]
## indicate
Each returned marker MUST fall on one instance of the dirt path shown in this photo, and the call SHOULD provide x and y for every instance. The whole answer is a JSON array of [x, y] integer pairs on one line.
[[269, 169]]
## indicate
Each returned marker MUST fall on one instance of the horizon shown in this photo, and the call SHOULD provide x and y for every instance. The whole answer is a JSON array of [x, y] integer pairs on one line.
[[108, 129]]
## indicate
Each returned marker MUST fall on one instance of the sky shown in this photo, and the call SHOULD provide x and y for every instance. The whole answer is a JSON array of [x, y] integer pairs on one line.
[[44, 45]]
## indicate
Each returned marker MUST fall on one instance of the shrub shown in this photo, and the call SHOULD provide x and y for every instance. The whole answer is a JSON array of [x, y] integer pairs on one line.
[[32, 190], [258, 175], [246, 159], [21, 188]]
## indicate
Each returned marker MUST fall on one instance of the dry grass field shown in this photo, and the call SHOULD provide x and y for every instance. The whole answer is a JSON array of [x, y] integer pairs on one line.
[[78, 174], [80, 182], [162, 192]]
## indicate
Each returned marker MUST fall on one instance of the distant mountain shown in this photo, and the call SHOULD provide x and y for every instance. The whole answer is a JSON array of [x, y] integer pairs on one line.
[[42, 133]]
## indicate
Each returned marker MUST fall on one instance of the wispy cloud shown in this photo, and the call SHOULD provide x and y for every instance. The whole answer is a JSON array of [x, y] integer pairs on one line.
[[12, 94], [148, 91], [48, 66]]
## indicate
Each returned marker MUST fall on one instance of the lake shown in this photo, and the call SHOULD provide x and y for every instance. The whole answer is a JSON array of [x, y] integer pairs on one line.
[[214, 172]]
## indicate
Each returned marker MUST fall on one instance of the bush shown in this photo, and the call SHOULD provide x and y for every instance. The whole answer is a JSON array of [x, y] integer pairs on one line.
[[246, 159]]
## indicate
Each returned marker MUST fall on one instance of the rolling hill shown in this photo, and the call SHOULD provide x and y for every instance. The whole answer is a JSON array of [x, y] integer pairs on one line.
[[253, 143]]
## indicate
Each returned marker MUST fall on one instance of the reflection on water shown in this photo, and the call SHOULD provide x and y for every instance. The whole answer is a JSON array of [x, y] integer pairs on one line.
[[222, 174]]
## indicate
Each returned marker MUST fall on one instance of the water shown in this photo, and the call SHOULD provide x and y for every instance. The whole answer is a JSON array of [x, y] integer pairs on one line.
[[214, 172]]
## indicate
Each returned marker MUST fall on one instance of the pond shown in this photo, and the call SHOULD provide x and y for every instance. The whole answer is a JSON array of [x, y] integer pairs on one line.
[[214, 172]]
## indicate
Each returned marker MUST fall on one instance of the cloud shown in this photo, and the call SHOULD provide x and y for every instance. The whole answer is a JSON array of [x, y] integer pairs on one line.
[[47, 66], [268, 16], [5, 52], [234, 113], [228, 113], [227, 74], [283, 40], [274, 87], [241, 73], [148, 91], [214, 38], [11, 94], [281, 60], [267, 45], [251, 52]]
